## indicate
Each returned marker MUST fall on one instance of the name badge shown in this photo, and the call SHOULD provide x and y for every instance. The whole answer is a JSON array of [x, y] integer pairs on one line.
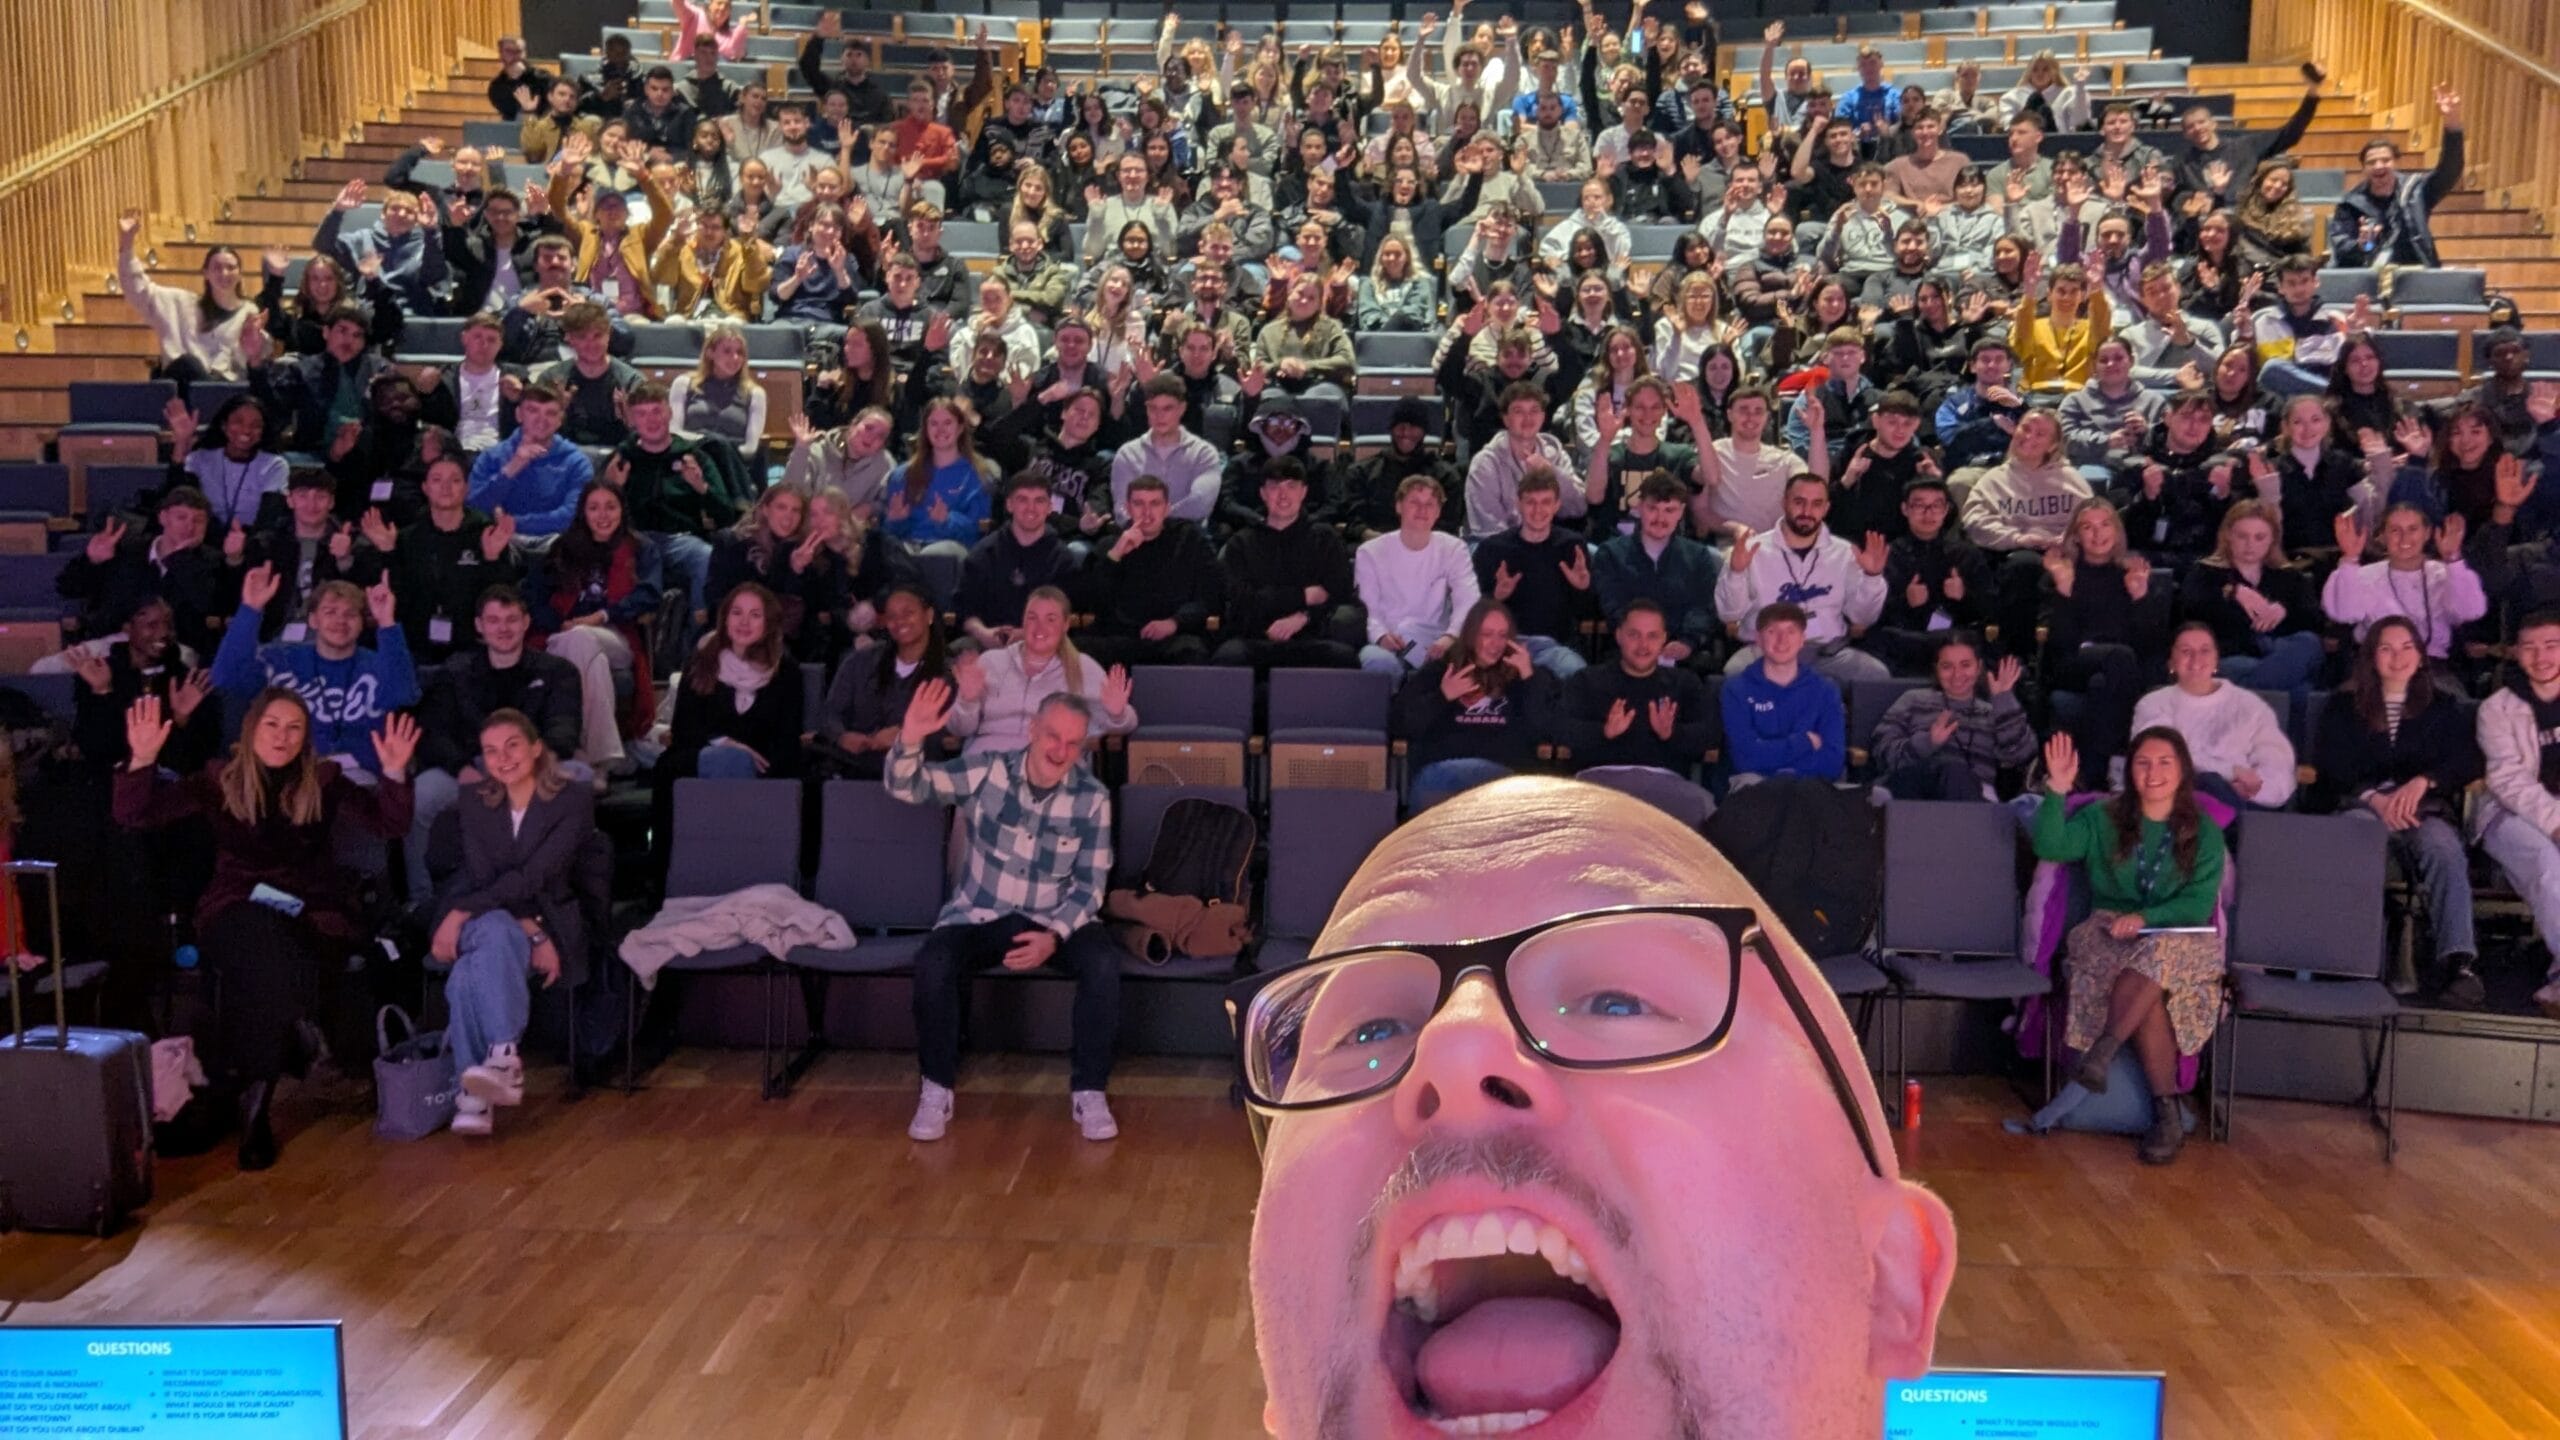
[[440, 631], [612, 292], [2160, 531], [294, 632], [1938, 620], [381, 489]]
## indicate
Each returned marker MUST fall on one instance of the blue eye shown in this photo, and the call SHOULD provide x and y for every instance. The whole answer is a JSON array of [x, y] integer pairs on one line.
[[1609, 1004], [1373, 1032]]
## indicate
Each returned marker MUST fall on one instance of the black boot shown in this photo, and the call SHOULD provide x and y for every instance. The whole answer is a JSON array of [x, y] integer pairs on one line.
[[2168, 1130], [257, 1135], [2091, 1072]]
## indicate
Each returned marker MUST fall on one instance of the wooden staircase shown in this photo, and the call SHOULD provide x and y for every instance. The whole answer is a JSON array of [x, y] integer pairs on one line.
[[104, 341]]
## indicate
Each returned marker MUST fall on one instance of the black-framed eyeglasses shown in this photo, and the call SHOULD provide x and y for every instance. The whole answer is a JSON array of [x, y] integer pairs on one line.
[[1612, 989]]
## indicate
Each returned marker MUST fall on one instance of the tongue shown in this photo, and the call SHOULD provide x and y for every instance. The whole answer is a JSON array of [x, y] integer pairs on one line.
[[1513, 1354]]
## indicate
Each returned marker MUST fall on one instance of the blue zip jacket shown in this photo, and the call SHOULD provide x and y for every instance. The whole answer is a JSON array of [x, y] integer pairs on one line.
[[960, 487], [348, 698], [1767, 727]]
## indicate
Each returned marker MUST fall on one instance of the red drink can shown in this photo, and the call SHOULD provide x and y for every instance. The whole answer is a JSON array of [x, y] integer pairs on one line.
[[1910, 1104]]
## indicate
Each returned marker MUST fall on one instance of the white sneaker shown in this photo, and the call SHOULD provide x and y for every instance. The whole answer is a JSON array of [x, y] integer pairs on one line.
[[1093, 1115], [472, 1116], [497, 1080], [933, 1113]]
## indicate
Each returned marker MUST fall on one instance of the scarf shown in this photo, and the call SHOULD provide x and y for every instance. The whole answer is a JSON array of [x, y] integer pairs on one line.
[[743, 678]]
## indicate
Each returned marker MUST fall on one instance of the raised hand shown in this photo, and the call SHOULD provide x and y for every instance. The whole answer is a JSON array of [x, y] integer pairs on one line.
[[2352, 537], [379, 532], [394, 743], [91, 667], [2514, 484], [2061, 763], [146, 729], [1116, 691], [1746, 548], [2137, 577], [1458, 683], [2542, 401], [1943, 728], [927, 712], [260, 586], [2006, 674], [971, 679], [1871, 555], [1619, 720], [350, 195], [379, 603], [501, 533], [2058, 568], [101, 548], [1663, 714], [2449, 537], [189, 693], [2449, 105], [1576, 568]]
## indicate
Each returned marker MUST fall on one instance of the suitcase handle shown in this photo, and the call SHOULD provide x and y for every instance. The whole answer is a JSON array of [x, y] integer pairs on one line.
[[61, 991]]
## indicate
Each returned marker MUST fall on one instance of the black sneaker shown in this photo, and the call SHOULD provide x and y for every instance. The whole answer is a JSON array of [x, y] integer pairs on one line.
[[2462, 987]]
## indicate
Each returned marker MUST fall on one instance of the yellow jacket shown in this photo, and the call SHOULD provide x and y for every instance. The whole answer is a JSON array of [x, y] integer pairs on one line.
[[2059, 360], [637, 245], [539, 136], [736, 282]]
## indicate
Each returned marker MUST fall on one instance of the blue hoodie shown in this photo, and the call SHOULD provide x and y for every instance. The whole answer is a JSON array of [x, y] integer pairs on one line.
[[1766, 725], [348, 698]]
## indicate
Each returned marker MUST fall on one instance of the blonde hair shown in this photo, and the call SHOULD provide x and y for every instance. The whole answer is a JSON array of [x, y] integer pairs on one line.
[[2264, 514], [1070, 659], [244, 796], [849, 527], [547, 779], [2094, 505], [714, 335]]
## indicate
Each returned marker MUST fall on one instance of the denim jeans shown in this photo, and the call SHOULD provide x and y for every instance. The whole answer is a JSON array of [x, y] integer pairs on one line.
[[725, 762], [2290, 664], [1554, 656], [1442, 779], [688, 558], [2432, 850], [1379, 660], [485, 990]]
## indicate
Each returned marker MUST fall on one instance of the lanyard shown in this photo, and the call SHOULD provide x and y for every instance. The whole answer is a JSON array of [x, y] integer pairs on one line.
[[2426, 606]]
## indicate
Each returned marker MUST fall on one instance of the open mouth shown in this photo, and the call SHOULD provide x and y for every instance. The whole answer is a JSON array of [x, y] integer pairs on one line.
[[1496, 1324]]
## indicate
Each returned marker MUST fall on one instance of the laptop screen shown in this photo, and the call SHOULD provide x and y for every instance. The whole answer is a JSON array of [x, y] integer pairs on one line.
[[173, 1382], [1966, 1404]]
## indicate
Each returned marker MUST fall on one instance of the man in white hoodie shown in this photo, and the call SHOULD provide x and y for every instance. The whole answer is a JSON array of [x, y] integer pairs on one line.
[[1839, 586], [2242, 756], [1418, 584], [2518, 821]]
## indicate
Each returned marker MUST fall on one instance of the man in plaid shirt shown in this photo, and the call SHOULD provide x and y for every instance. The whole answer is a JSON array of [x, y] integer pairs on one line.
[[1032, 875]]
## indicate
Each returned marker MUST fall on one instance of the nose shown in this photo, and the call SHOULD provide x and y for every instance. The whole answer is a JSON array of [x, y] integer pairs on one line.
[[1471, 1069]]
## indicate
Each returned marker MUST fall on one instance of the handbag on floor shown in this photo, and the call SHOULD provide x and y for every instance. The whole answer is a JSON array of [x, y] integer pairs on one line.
[[413, 1080]]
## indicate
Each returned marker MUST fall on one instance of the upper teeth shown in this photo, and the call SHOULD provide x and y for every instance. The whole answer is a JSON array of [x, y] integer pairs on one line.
[[1466, 1237]]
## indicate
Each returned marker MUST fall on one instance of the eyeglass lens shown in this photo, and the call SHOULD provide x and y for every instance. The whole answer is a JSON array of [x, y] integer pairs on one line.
[[1616, 990]]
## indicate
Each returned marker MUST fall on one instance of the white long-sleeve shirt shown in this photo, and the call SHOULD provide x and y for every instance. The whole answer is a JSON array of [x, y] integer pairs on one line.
[[1420, 595], [2436, 597], [2226, 729], [1826, 580]]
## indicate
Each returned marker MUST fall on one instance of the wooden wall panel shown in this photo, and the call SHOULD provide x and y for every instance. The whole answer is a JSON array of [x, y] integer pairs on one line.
[[174, 106], [2502, 55]]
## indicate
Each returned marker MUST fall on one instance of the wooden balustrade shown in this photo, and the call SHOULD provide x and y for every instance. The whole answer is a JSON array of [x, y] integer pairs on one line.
[[174, 106], [2503, 56]]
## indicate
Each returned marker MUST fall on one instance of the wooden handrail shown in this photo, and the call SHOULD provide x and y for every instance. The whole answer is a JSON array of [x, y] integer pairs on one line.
[[175, 106], [2496, 53]]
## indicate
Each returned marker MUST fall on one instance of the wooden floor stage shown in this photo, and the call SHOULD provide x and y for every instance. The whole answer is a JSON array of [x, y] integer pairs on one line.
[[694, 1262]]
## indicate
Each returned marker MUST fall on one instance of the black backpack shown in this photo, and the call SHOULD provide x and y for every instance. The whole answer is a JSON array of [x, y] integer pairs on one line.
[[1814, 852], [1204, 850]]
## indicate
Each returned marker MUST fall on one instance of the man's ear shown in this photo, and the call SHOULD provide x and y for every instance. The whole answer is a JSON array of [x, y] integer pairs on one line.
[[1914, 1261]]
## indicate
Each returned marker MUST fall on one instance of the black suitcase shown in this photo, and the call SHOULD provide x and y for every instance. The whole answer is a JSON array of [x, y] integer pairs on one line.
[[75, 1108]]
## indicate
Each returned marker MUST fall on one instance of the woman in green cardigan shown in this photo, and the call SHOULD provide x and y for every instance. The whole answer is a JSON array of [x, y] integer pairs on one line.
[[2146, 966]]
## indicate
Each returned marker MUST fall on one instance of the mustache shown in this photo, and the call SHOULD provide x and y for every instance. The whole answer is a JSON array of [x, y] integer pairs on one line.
[[1510, 1160]]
